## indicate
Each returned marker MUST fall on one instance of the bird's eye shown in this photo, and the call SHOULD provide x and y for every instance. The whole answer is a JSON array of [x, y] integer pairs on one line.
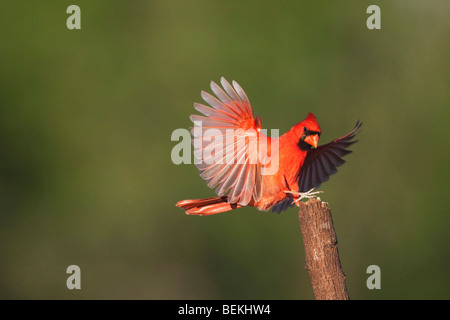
[[304, 129]]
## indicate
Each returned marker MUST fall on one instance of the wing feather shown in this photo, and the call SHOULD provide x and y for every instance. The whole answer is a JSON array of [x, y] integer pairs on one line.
[[243, 96], [216, 104], [231, 171], [322, 162], [211, 112]]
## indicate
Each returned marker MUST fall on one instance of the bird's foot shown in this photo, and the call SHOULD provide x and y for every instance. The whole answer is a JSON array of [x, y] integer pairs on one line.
[[304, 195]]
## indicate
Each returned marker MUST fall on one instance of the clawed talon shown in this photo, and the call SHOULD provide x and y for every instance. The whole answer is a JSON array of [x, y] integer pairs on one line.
[[304, 195]]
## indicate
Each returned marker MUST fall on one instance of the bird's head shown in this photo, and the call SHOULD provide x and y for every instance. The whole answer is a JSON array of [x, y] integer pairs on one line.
[[309, 132]]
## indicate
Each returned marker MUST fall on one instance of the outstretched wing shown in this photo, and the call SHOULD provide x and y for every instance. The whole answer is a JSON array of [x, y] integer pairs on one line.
[[225, 143], [322, 162]]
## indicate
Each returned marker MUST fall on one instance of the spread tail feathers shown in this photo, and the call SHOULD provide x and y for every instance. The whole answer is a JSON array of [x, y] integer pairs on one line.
[[208, 206]]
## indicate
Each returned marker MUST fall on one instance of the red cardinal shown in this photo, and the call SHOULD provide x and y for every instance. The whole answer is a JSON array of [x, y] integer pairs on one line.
[[302, 164]]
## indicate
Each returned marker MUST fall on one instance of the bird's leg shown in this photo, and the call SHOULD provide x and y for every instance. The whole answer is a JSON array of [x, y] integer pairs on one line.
[[304, 195]]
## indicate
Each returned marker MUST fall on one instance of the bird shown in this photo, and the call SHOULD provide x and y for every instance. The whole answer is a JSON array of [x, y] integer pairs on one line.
[[237, 168]]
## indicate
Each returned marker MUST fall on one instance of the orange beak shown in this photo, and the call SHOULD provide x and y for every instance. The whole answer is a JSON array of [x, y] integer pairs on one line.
[[313, 140]]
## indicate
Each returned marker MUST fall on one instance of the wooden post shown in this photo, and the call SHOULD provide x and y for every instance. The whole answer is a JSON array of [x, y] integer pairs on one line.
[[321, 251]]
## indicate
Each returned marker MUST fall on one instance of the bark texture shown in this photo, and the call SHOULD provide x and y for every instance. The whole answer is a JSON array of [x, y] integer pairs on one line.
[[321, 250]]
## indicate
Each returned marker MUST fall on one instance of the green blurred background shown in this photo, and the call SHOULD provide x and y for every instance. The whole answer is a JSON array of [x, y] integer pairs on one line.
[[86, 118]]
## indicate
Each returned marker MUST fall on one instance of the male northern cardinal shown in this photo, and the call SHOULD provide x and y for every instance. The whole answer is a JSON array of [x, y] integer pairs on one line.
[[302, 165]]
